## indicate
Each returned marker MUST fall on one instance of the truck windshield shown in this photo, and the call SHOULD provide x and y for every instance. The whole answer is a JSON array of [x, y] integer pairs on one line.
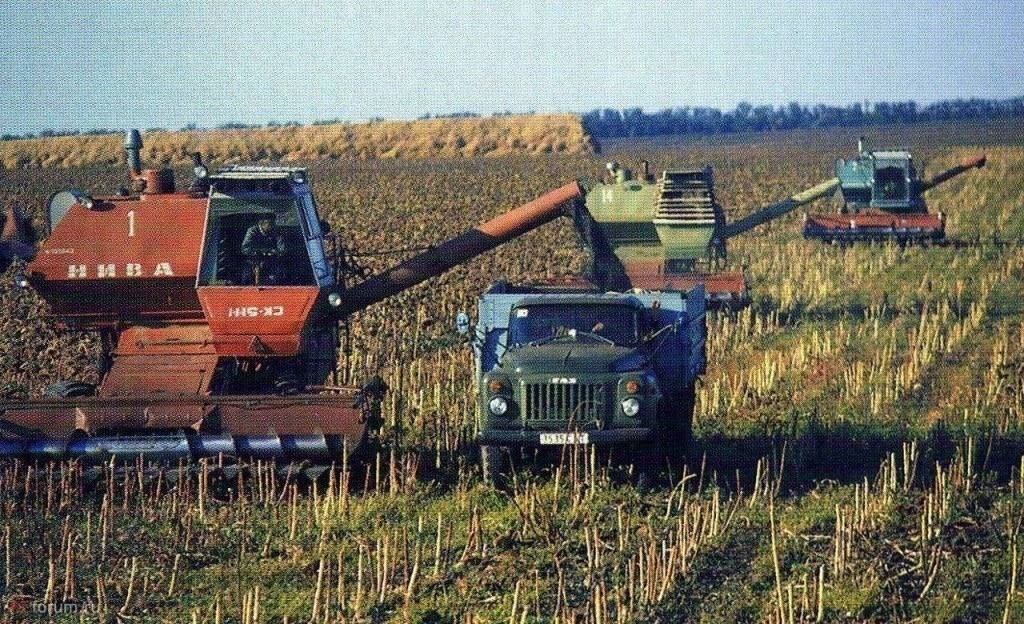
[[534, 323]]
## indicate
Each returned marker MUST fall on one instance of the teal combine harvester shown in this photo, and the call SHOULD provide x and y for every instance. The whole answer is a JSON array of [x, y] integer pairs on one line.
[[881, 200]]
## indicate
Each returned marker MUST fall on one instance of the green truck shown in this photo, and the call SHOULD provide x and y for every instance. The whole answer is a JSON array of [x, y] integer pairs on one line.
[[561, 365]]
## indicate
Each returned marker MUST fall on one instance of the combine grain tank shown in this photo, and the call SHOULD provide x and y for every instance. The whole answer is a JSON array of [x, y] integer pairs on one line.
[[881, 200], [669, 233], [218, 309]]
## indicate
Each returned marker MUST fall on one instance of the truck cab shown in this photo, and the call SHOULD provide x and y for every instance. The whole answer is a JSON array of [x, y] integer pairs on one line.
[[560, 366]]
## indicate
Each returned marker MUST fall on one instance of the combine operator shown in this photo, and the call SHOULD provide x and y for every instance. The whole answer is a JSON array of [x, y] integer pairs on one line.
[[264, 248]]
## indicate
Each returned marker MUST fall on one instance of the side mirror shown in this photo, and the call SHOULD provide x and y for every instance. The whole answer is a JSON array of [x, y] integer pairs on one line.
[[325, 227], [462, 324]]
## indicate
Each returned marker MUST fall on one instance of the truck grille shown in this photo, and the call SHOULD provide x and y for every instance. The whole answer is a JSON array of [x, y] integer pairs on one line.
[[583, 403]]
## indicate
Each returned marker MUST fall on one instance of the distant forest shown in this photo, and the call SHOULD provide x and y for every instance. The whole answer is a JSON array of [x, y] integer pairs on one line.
[[634, 122]]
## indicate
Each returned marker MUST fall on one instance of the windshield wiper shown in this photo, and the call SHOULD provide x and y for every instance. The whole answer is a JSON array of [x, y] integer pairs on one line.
[[544, 341], [593, 335], [570, 334]]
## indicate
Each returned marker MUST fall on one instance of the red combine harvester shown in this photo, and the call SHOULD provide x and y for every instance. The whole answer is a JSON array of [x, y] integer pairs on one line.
[[218, 309], [881, 200]]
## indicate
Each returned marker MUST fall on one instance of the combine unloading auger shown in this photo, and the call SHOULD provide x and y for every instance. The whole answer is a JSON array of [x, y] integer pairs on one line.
[[455, 251], [776, 210], [881, 197], [218, 310]]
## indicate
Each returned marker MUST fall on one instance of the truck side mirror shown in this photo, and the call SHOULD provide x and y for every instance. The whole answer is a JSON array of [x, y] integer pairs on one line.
[[462, 324]]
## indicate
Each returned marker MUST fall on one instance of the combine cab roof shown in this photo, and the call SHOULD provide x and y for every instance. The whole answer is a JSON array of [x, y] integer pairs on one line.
[[891, 154], [257, 172]]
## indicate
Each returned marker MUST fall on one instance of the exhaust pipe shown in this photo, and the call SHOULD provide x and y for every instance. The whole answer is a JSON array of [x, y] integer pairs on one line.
[[150, 181], [132, 147], [200, 176]]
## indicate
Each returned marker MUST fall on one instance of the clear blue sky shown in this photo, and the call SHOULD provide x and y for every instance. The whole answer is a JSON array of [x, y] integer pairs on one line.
[[168, 63]]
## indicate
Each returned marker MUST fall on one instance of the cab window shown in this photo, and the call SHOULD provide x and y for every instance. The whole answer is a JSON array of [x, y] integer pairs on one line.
[[546, 322], [255, 241], [890, 183]]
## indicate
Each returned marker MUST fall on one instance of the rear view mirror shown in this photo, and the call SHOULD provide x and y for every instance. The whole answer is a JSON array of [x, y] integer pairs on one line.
[[462, 324]]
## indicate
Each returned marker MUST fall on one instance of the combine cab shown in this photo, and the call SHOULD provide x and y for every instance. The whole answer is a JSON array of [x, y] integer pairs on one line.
[[218, 309], [669, 233], [881, 200]]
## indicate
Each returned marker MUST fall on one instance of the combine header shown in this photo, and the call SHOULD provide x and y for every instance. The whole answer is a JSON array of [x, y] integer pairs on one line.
[[669, 233], [881, 197], [218, 309]]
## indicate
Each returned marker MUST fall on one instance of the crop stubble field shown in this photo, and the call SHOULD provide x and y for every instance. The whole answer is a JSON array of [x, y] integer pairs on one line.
[[858, 451]]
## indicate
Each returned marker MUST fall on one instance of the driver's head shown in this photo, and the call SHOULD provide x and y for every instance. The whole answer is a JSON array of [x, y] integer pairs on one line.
[[265, 223]]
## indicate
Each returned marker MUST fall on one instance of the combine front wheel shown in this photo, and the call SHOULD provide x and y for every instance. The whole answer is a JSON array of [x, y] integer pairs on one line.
[[69, 390]]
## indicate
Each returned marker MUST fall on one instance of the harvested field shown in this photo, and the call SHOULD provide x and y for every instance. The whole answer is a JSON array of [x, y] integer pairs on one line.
[[859, 448]]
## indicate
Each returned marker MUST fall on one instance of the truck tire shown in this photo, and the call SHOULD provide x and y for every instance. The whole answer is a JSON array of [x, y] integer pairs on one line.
[[675, 417], [492, 463], [649, 462]]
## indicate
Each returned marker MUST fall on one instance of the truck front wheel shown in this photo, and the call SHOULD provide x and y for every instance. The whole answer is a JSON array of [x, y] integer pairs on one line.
[[493, 462], [675, 422]]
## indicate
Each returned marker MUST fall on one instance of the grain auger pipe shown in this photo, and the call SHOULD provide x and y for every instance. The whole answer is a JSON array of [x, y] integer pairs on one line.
[[974, 162], [455, 251], [779, 209]]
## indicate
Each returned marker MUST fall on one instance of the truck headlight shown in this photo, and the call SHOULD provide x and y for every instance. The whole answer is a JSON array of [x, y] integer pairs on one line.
[[498, 406], [630, 407]]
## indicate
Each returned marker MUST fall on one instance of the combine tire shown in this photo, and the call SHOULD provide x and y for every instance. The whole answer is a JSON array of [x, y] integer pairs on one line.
[[69, 390], [493, 462]]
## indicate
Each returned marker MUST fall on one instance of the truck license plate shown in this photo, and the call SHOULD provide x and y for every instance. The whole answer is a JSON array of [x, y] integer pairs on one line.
[[564, 438]]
